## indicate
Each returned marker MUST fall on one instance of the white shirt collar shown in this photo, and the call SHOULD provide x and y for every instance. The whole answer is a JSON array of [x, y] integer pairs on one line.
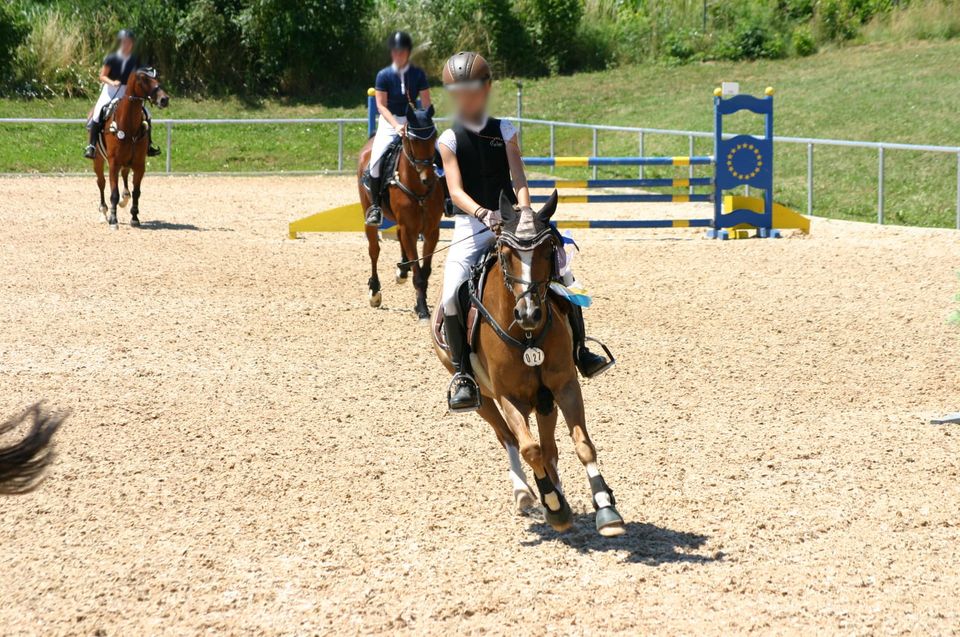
[[400, 70], [476, 128]]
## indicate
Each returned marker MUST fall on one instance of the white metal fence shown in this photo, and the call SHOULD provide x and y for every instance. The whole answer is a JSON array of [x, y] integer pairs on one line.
[[811, 143]]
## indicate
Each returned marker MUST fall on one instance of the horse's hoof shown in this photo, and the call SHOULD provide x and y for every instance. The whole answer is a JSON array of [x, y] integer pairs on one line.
[[375, 299], [114, 226], [134, 222], [524, 500], [560, 520], [401, 277], [124, 200], [422, 315], [609, 522]]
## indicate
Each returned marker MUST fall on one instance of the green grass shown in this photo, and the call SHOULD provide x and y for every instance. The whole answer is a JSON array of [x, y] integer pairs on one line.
[[896, 93]]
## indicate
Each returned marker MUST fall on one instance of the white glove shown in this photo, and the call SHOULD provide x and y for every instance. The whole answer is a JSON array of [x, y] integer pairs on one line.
[[489, 218]]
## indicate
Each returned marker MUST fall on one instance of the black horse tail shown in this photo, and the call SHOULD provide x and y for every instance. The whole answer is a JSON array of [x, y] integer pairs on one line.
[[544, 401], [22, 464]]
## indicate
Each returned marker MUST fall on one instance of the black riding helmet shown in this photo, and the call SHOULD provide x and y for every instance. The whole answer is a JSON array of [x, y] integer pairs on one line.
[[126, 33], [400, 40]]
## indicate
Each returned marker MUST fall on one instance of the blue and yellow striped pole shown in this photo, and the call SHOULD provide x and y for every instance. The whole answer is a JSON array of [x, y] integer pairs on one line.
[[584, 162], [371, 112]]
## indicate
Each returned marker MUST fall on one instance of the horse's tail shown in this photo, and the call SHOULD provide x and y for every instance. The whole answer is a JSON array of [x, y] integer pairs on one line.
[[22, 464], [544, 401]]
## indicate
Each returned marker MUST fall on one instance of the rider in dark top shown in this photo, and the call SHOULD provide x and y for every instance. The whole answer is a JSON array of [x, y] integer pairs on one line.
[[116, 70]]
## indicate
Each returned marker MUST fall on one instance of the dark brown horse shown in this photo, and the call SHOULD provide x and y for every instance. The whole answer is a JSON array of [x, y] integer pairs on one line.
[[523, 361], [414, 201], [22, 463], [124, 143]]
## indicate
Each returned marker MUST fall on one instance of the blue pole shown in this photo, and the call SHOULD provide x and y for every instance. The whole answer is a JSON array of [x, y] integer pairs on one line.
[[768, 195], [371, 112], [717, 136]]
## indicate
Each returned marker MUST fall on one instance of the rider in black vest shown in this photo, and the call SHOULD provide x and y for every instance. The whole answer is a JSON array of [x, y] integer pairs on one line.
[[116, 70], [482, 159]]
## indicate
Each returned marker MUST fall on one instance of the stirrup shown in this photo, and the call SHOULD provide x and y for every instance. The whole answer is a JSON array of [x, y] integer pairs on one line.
[[90, 152], [606, 350], [458, 379], [370, 211], [153, 151]]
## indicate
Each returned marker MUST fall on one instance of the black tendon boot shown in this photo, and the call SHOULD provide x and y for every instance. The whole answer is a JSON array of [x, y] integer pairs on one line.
[[589, 364], [374, 213], [91, 150], [463, 393]]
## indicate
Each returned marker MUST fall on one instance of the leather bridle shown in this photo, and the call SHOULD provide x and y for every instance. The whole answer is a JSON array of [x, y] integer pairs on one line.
[[410, 132]]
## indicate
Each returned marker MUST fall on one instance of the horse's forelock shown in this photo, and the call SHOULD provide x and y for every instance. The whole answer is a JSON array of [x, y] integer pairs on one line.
[[527, 226]]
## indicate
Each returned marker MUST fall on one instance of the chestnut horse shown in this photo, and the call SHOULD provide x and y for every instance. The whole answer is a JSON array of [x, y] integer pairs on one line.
[[414, 200], [123, 144], [523, 362], [22, 463]]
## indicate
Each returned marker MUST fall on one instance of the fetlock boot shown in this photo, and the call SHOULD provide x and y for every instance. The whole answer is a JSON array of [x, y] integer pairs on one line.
[[91, 150], [463, 393], [374, 213], [589, 364]]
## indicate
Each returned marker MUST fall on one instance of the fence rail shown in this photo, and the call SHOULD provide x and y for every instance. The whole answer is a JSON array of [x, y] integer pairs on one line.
[[642, 133]]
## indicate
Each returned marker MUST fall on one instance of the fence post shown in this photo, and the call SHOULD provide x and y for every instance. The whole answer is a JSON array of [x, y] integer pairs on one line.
[[958, 191], [596, 149], [810, 179], [880, 188], [169, 146], [640, 174], [553, 144], [340, 146], [519, 114], [690, 169]]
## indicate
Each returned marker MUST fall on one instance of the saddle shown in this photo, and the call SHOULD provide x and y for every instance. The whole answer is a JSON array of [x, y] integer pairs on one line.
[[108, 109], [388, 168], [476, 283]]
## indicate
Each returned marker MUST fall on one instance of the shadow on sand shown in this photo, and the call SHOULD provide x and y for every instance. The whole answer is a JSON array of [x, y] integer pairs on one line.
[[643, 543], [159, 224]]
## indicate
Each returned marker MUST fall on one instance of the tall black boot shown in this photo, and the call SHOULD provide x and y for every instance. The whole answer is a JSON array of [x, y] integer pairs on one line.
[[152, 151], [374, 213], [91, 150], [463, 393], [589, 364]]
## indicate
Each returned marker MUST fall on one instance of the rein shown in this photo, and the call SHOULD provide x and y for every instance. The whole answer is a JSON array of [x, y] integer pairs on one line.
[[420, 198]]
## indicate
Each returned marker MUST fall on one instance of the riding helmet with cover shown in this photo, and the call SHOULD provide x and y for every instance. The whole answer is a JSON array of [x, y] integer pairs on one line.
[[465, 70], [400, 40], [126, 33]]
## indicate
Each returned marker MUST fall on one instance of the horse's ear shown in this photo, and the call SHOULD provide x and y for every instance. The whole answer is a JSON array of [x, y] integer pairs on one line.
[[548, 208], [431, 111], [411, 111], [507, 212]]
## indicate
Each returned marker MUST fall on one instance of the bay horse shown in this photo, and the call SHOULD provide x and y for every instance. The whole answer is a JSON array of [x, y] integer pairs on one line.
[[414, 200], [123, 143], [523, 361], [22, 464]]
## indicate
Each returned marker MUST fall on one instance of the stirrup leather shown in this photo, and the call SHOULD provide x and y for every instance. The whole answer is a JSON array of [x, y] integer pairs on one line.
[[462, 378]]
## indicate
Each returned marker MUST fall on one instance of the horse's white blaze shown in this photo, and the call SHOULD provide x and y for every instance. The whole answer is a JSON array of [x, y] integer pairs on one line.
[[526, 265]]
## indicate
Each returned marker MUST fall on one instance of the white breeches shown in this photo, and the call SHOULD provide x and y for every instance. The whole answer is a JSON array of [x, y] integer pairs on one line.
[[107, 93], [384, 137], [462, 257]]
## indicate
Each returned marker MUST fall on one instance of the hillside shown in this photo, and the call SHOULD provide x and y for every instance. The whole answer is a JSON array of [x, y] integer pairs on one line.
[[903, 93]]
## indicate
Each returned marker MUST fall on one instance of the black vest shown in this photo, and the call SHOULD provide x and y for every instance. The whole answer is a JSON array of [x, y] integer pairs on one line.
[[484, 168], [116, 69]]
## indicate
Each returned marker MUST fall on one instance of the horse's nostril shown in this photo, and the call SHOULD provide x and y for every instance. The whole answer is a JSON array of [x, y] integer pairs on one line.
[[537, 313], [516, 314]]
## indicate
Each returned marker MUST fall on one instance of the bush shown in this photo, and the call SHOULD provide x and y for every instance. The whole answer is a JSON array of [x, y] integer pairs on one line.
[[549, 25], [51, 59], [12, 32], [803, 42]]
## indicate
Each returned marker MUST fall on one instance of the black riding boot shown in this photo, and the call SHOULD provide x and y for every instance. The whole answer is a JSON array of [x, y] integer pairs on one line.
[[91, 150], [463, 393], [152, 151], [374, 213], [589, 364]]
